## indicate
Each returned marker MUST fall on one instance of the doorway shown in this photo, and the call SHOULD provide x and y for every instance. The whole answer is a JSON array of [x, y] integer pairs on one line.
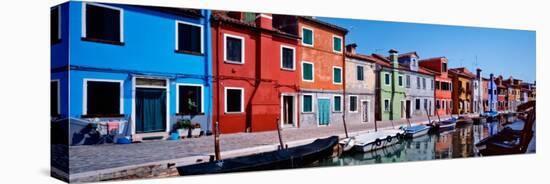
[[288, 110], [408, 108], [150, 105], [365, 111], [324, 111]]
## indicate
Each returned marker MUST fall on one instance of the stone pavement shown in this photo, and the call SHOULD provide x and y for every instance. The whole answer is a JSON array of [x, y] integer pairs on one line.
[[87, 160]]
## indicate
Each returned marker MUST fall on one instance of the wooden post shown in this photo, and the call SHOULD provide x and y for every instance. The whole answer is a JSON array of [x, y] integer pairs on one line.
[[427, 114], [438, 118], [217, 141], [279, 133], [376, 126]]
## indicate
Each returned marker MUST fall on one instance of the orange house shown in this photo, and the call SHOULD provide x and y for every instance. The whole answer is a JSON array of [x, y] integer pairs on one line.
[[443, 84]]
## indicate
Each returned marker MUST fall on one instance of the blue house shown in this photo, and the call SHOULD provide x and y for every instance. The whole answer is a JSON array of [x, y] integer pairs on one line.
[[148, 66], [492, 96]]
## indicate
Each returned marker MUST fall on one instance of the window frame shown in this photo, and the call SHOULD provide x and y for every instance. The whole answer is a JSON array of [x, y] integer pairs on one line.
[[178, 95], [59, 18], [293, 57], [407, 81], [356, 104], [243, 47], [303, 101], [84, 25], [334, 76], [386, 107], [312, 71], [334, 101], [341, 44], [85, 94], [387, 76], [400, 80], [58, 83], [362, 74], [177, 22], [225, 99], [312, 36]]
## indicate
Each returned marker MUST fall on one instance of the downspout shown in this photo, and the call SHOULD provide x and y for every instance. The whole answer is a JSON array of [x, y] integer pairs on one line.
[[207, 65], [216, 133], [344, 85]]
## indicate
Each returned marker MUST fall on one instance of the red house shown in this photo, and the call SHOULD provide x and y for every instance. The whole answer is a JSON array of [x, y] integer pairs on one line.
[[255, 73], [502, 93], [443, 84]]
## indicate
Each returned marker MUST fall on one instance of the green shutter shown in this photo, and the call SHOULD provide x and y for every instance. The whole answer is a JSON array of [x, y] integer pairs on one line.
[[337, 103], [337, 75], [307, 36], [307, 71], [337, 43], [307, 103]]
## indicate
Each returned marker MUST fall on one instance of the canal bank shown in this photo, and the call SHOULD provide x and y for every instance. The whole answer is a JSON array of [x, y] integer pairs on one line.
[[159, 158]]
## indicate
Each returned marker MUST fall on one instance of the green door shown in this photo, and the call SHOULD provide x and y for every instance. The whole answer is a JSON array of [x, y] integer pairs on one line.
[[324, 111]]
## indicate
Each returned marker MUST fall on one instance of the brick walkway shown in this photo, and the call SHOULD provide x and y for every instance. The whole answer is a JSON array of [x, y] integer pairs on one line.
[[111, 156]]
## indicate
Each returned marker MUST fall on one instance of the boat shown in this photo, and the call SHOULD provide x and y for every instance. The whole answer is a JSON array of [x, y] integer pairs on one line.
[[375, 140], [479, 120], [445, 125], [490, 115], [347, 143], [279, 159], [416, 131], [463, 121]]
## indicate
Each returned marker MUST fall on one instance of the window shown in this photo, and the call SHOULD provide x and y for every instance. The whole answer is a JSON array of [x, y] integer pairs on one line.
[[337, 43], [387, 79], [103, 98], [307, 71], [425, 103], [234, 49], [337, 103], [353, 103], [54, 98], [189, 37], [360, 73], [400, 80], [437, 105], [307, 36], [444, 67], [417, 82], [287, 57], [386, 105], [55, 24], [408, 81], [423, 83], [189, 99], [307, 105], [437, 84], [336, 75], [417, 104], [234, 100], [102, 23], [432, 84]]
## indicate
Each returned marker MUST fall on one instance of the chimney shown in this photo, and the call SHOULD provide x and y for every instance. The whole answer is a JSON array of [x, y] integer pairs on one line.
[[235, 15], [350, 48], [478, 73], [264, 21], [393, 58]]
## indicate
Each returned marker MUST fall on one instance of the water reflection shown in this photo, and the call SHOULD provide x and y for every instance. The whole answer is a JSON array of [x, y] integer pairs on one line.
[[458, 143]]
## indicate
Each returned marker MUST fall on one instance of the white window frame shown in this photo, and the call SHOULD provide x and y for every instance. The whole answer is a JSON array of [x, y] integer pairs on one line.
[[368, 113], [178, 95], [400, 79], [341, 44], [58, 7], [356, 104], [334, 101], [334, 77], [312, 100], [293, 57], [134, 89], [225, 99], [121, 15], [191, 24], [58, 95], [387, 75], [384, 105], [85, 93], [312, 36], [243, 47], [312, 71], [362, 73]]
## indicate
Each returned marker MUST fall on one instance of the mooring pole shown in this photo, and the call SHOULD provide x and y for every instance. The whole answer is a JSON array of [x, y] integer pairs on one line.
[[429, 120], [279, 133], [217, 141], [438, 118]]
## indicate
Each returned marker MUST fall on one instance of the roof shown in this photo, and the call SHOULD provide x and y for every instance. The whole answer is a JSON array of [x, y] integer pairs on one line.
[[323, 23], [408, 54], [463, 72], [175, 11], [223, 17], [432, 59]]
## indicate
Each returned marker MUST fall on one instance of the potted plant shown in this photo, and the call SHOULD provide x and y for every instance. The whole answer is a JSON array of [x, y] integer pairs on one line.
[[183, 127], [196, 130]]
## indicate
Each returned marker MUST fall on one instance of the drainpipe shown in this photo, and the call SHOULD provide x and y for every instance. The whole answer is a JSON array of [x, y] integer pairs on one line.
[[216, 133], [207, 65], [395, 65], [344, 85]]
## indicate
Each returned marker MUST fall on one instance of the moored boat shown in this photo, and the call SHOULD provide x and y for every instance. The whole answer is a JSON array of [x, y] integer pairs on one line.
[[279, 159], [347, 143], [377, 140], [416, 131], [445, 125]]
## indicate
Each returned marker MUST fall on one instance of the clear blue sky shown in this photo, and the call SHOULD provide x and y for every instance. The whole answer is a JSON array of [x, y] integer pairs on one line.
[[500, 51]]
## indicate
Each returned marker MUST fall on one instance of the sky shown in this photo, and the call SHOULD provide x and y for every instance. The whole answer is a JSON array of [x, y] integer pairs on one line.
[[503, 52]]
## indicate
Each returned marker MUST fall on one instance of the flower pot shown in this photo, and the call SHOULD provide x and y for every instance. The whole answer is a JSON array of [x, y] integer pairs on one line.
[[196, 132], [184, 132]]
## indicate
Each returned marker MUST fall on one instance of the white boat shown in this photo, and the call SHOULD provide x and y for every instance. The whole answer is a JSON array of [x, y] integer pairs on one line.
[[347, 143], [377, 140], [416, 131]]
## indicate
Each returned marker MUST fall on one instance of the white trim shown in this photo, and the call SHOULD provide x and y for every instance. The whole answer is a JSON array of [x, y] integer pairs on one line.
[[85, 93], [58, 7], [58, 95], [191, 24], [134, 88], [384, 103], [341, 75], [293, 57], [294, 111], [312, 106], [178, 95], [341, 44], [356, 104], [402, 80], [264, 16], [317, 114], [121, 15], [225, 99], [363, 110], [225, 35], [312, 36], [362, 73], [334, 101], [389, 78], [312, 71]]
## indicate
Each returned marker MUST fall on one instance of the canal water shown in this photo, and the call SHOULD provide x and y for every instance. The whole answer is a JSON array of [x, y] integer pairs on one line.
[[457, 143]]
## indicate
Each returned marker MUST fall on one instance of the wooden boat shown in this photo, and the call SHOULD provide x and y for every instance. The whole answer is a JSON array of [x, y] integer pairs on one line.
[[279, 159], [377, 140], [445, 125], [416, 131], [463, 121]]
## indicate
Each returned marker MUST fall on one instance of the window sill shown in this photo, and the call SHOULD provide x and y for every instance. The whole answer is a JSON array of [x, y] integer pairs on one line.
[[233, 113], [103, 41], [234, 62], [102, 116], [188, 52], [308, 112], [288, 69], [186, 114]]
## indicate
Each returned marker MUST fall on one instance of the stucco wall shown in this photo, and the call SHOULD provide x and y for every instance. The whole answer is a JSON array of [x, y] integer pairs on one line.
[[413, 93]]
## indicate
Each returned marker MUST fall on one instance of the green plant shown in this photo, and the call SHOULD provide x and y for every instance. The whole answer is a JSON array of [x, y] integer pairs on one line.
[[184, 124]]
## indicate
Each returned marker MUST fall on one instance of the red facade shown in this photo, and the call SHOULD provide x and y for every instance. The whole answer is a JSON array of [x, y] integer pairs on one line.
[[443, 86], [259, 75]]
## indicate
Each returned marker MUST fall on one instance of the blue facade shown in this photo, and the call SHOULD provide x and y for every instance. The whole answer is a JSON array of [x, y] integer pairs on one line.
[[147, 51], [492, 95]]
